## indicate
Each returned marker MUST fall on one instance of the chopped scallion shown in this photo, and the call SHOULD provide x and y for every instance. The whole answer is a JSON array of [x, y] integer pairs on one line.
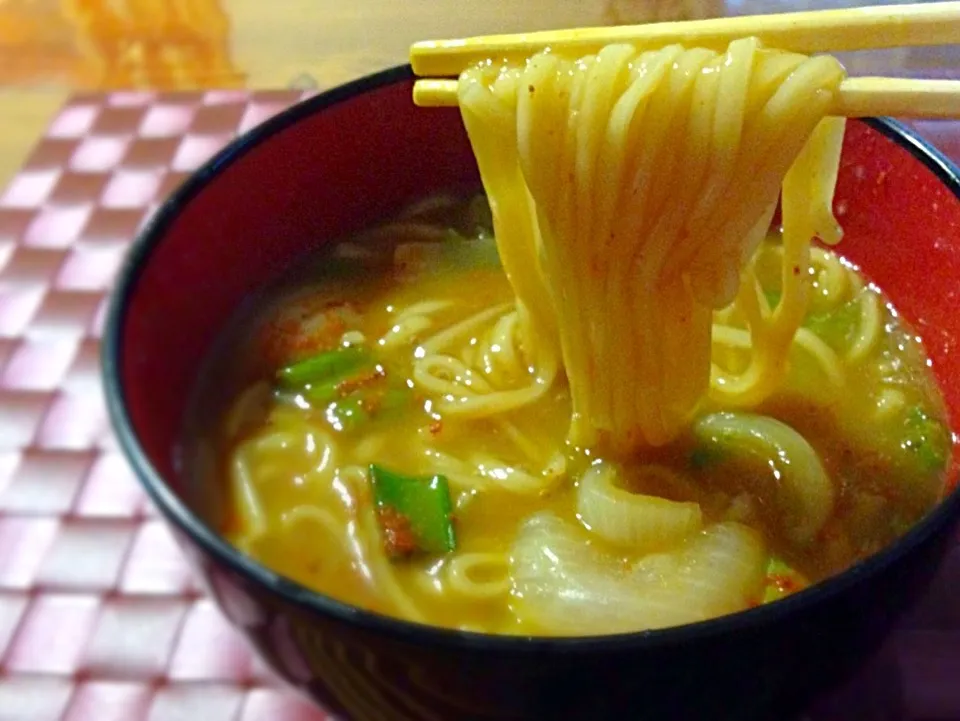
[[327, 366], [415, 513]]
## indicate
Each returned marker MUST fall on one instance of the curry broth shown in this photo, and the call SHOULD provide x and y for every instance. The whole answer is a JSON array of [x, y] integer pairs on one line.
[[303, 462]]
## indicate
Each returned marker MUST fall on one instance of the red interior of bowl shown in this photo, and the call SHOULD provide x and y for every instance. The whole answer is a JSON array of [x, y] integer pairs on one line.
[[355, 161]]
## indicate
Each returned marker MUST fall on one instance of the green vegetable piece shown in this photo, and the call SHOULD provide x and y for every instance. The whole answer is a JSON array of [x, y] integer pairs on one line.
[[835, 327], [394, 399], [322, 393], [925, 439], [328, 366], [347, 414], [363, 405], [416, 513], [782, 580]]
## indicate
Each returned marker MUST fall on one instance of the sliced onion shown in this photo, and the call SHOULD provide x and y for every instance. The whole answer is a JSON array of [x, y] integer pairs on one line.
[[801, 489], [564, 585], [632, 520]]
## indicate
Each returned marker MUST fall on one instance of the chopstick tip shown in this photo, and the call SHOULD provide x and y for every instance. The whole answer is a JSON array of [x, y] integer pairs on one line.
[[435, 93]]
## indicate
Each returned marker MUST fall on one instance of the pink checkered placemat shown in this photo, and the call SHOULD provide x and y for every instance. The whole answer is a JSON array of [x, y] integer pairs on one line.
[[100, 618]]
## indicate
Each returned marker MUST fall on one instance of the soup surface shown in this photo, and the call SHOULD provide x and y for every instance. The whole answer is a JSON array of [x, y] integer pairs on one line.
[[330, 412]]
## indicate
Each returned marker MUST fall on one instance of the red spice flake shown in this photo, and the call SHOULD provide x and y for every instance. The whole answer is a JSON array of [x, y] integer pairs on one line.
[[371, 404], [784, 584], [307, 328], [398, 537], [349, 385], [436, 427], [796, 270]]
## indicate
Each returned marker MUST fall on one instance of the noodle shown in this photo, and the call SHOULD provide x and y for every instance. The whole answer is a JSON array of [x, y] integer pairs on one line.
[[305, 514], [248, 500], [531, 450], [404, 330], [411, 321], [499, 354], [833, 280], [480, 576], [279, 441], [484, 473], [824, 355], [456, 332], [869, 329], [617, 427], [826, 359], [464, 393], [384, 577], [616, 227]]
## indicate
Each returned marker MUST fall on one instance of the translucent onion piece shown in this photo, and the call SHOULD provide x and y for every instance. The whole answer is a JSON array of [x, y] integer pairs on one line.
[[632, 520], [804, 493], [565, 585]]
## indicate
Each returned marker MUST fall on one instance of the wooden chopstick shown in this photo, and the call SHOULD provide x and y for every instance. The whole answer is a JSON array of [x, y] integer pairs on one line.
[[900, 97], [864, 28], [858, 97]]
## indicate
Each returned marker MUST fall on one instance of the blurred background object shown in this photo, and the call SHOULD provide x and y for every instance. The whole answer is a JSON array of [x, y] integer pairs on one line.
[[632, 12], [49, 48], [161, 44], [99, 44]]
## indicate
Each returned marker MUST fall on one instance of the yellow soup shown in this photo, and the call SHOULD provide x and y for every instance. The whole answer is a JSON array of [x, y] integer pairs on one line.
[[384, 442]]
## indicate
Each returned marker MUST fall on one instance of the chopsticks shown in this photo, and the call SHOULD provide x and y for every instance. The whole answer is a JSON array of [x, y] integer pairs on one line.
[[865, 28], [858, 97], [808, 32]]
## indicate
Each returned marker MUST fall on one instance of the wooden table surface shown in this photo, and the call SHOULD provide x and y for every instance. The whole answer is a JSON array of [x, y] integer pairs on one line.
[[50, 48]]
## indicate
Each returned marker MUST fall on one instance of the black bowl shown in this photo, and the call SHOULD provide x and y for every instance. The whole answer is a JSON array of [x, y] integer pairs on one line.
[[327, 167]]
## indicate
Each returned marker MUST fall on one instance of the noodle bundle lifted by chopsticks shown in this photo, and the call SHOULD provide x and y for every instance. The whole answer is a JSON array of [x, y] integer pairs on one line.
[[629, 191]]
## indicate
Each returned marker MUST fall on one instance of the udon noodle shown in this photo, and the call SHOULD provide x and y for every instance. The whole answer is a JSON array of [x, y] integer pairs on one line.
[[629, 190], [605, 396]]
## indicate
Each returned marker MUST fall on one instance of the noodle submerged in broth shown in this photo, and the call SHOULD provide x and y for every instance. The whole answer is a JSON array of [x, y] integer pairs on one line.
[[845, 455], [609, 400]]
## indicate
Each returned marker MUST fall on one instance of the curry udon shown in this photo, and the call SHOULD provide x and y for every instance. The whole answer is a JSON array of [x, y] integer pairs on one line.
[[600, 396], [544, 537]]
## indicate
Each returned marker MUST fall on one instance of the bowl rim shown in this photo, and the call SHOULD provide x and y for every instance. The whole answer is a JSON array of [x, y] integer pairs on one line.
[[177, 513]]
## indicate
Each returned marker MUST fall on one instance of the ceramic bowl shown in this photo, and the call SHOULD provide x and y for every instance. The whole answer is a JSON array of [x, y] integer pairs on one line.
[[326, 168]]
